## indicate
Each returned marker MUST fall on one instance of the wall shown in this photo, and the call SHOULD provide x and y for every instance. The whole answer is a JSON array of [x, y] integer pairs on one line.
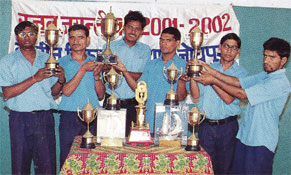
[[257, 25]]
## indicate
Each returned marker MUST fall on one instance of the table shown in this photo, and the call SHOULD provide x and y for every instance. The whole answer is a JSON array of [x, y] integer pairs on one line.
[[135, 160]]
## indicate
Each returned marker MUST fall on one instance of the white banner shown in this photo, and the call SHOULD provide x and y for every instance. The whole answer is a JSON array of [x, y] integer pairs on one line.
[[214, 21]]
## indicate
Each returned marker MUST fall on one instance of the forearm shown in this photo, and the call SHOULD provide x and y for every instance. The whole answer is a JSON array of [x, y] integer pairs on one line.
[[135, 75], [194, 90], [223, 95], [181, 90], [130, 80], [57, 88], [233, 81], [99, 88], [72, 85]]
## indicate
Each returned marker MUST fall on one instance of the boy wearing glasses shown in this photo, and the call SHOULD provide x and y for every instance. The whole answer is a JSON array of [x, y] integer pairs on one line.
[[28, 89]]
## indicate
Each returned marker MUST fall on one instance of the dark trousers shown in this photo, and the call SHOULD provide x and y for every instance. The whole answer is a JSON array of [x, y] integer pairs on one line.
[[219, 142], [129, 104], [252, 159], [71, 126], [32, 136]]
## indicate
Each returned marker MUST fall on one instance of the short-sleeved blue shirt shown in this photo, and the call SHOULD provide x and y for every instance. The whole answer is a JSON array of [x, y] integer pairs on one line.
[[134, 58], [85, 90], [15, 68], [158, 86], [267, 95], [212, 104]]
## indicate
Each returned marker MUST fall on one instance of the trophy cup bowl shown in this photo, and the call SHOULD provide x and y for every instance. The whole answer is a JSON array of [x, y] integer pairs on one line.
[[88, 114], [173, 73], [52, 38], [113, 79], [196, 40], [108, 29]]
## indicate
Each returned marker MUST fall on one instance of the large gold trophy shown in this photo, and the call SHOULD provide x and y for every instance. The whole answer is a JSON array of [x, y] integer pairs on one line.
[[108, 29], [173, 73], [140, 132], [194, 118], [196, 39], [52, 38], [113, 79], [88, 115]]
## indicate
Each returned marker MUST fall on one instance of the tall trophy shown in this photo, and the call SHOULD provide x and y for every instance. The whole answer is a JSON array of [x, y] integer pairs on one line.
[[88, 115], [52, 38], [194, 118], [172, 74], [196, 39], [113, 79], [140, 132], [108, 29]]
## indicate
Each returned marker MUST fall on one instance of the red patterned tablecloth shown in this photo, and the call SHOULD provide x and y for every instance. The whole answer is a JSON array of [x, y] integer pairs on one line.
[[135, 160]]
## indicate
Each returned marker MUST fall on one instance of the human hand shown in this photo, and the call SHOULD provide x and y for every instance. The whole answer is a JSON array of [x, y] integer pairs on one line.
[[42, 74], [205, 79], [120, 67], [98, 69], [60, 73], [89, 66]]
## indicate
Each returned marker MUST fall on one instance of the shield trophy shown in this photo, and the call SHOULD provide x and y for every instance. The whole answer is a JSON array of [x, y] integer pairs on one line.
[[173, 73], [196, 39], [108, 29]]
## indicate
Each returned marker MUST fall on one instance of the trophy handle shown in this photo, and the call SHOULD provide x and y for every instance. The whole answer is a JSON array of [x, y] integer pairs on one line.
[[96, 114], [181, 72], [203, 118], [164, 69], [78, 112], [121, 78], [104, 76]]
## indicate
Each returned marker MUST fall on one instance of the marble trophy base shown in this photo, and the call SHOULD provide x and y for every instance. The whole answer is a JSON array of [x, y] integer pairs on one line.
[[106, 59]]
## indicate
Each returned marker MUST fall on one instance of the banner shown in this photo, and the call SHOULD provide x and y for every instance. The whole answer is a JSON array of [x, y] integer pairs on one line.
[[214, 20]]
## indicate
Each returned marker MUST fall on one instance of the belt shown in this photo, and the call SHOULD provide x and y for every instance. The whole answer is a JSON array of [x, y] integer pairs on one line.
[[220, 122], [128, 101]]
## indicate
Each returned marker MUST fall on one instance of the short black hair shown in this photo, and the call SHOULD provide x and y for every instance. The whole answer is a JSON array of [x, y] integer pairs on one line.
[[232, 36], [21, 26], [173, 31], [279, 45], [79, 27], [135, 16]]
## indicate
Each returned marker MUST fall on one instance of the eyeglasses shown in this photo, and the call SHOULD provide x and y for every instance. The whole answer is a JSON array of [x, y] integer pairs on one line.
[[226, 46], [23, 34]]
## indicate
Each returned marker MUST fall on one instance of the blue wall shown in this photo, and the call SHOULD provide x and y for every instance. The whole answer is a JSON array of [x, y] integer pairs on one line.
[[257, 25]]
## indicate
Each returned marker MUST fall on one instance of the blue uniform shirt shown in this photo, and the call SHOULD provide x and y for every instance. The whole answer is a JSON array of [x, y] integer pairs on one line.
[[85, 90], [267, 95], [134, 58], [157, 84], [212, 104], [15, 68]]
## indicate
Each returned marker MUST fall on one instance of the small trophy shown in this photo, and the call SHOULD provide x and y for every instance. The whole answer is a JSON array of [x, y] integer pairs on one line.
[[194, 116], [89, 114], [173, 73], [140, 132], [108, 29], [52, 38], [196, 39], [112, 78]]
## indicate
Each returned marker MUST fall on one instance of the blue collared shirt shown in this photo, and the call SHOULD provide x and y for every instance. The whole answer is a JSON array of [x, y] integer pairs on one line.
[[134, 58], [267, 95], [84, 91], [212, 104], [15, 68], [157, 85]]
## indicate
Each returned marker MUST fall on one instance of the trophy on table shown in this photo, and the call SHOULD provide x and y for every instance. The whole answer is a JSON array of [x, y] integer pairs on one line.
[[108, 29], [88, 115], [194, 118], [140, 132], [52, 38], [113, 79], [173, 73], [196, 39]]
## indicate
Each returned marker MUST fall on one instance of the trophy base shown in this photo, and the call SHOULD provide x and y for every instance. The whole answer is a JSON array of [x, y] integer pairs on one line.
[[192, 148], [106, 59], [171, 102], [88, 143], [112, 107], [140, 136], [192, 74]]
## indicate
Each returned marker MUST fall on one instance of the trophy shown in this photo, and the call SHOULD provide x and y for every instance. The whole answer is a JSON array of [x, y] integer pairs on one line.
[[194, 117], [140, 132], [89, 114], [112, 78], [196, 39], [52, 38], [173, 73], [108, 29]]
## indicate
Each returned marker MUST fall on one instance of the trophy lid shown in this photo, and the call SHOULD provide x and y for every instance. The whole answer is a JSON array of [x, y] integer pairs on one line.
[[51, 26], [112, 71], [195, 110], [88, 107], [110, 15], [173, 67]]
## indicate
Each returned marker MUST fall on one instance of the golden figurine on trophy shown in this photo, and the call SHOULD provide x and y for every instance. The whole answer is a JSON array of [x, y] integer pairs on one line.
[[108, 29], [194, 118], [140, 133], [88, 115], [52, 38], [173, 73], [196, 39], [113, 79]]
